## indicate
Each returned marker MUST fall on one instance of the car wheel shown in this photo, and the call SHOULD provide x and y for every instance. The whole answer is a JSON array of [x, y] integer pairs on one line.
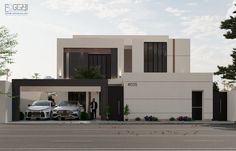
[[59, 118]]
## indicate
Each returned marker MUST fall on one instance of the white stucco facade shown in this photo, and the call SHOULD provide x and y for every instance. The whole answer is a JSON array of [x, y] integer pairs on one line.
[[163, 95], [167, 95], [231, 105], [182, 50], [5, 102]]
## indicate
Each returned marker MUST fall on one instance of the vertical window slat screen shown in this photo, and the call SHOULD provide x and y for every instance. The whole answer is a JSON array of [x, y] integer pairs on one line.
[[155, 57]]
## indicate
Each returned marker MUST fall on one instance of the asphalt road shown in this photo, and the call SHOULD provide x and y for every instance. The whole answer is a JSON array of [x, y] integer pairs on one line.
[[71, 137]]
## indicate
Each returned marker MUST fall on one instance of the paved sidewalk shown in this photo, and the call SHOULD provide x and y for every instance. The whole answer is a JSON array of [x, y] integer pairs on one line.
[[126, 122]]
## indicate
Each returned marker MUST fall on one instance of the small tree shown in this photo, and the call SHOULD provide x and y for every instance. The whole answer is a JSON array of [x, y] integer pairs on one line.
[[126, 111], [7, 49], [229, 72], [215, 87], [230, 26], [227, 85], [8, 74], [36, 76]]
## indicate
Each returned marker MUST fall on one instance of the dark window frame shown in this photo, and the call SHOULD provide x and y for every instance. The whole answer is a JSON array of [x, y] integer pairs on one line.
[[155, 56], [98, 59]]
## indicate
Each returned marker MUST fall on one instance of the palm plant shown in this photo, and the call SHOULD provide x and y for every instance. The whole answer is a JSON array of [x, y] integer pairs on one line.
[[126, 111], [36, 76]]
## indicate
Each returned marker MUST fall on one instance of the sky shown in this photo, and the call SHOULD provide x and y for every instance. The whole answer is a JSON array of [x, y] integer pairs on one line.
[[48, 20]]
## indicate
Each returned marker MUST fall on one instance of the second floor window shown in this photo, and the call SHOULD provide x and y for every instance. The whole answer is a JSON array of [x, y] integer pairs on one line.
[[155, 57]]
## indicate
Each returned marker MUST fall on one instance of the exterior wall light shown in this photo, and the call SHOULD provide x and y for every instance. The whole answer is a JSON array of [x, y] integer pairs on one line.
[[59, 73], [120, 74]]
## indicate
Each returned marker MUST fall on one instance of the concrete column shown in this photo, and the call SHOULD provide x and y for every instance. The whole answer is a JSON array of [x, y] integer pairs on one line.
[[138, 56], [87, 102]]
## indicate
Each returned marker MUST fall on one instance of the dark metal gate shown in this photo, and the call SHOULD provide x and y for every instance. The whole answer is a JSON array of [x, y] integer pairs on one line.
[[116, 102], [220, 106]]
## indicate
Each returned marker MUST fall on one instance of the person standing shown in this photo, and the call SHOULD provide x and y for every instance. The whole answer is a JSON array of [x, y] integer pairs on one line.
[[93, 106], [50, 98]]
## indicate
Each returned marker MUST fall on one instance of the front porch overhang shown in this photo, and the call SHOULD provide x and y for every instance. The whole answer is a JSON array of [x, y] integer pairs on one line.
[[66, 85]]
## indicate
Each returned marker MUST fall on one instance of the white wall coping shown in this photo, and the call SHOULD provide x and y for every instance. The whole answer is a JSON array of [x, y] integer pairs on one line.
[[121, 36], [62, 88], [168, 77]]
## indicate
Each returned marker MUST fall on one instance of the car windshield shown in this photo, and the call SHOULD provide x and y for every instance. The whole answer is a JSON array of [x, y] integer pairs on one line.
[[65, 103], [40, 103]]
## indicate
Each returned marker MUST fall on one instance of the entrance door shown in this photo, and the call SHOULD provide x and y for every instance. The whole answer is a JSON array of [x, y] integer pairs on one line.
[[197, 105], [116, 102], [220, 106]]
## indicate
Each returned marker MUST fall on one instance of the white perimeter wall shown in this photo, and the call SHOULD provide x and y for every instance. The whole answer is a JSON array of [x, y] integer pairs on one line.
[[231, 105], [166, 95], [5, 102]]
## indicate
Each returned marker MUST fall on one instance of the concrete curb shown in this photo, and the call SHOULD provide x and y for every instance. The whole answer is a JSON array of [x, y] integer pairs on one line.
[[125, 122]]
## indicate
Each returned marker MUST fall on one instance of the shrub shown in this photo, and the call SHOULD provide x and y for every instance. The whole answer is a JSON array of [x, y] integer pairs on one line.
[[137, 119], [146, 118], [151, 118], [155, 119], [189, 119], [184, 118], [22, 116], [172, 119], [84, 116]]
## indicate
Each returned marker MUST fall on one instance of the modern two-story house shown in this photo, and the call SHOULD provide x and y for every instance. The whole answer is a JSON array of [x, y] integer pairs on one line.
[[149, 73]]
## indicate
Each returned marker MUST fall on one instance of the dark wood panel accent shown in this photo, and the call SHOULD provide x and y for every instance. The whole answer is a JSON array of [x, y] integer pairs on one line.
[[173, 55], [89, 50], [128, 60], [114, 63], [164, 59], [64, 65]]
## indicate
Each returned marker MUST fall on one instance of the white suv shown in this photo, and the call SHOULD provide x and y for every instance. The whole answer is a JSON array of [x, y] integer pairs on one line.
[[40, 109]]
